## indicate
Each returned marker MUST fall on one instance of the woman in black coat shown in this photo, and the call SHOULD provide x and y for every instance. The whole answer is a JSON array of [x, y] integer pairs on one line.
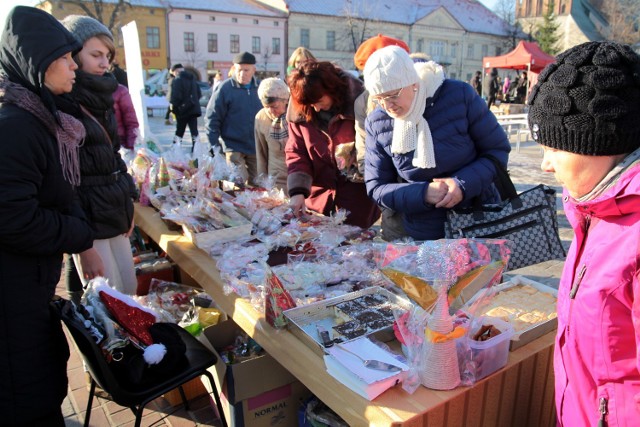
[[106, 189], [39, 217]]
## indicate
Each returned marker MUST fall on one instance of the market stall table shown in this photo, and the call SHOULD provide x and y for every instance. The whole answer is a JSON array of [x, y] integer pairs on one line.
[[520, 394]]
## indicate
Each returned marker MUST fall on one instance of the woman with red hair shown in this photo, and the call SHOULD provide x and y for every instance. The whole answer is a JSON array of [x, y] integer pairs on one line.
[[320, 152]]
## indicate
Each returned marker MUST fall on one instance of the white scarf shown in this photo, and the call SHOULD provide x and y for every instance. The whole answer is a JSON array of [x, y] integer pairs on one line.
[[411, 132]]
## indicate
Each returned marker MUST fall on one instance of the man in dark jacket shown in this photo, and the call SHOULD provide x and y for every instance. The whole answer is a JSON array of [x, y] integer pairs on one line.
[[231, 115], [476, 82], [39, 217], [493, 88], [185, 104]]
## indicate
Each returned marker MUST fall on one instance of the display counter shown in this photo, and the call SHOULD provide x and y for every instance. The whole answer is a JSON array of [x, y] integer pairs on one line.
[[520, 394]]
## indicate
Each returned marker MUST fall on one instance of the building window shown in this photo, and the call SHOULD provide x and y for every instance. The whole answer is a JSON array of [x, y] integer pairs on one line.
[[153, 38], [420, 45], [436, 48], [498, 51], [304, 37], [453, 76], [275, 46], [187, 17], [485, 50], [235, 43], [276, 24], [331, 40], [212, 18], [468, 77], [234, 20], [454, 49], [256, 22], [255, 44], [470, 51], [189, 42], [212, 42]]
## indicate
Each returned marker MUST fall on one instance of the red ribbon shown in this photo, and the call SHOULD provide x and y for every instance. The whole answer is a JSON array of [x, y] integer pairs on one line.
[[304, 249]]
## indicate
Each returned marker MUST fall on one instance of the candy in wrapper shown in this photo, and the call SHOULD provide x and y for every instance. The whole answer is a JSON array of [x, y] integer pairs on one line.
[[163, 174], [277, 299]]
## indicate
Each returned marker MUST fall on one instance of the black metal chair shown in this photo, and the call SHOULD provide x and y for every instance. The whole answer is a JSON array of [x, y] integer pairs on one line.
[[199, 358]]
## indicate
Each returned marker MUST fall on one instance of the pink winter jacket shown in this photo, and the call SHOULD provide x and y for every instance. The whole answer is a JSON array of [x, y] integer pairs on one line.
[[597, 359], [125, 117]]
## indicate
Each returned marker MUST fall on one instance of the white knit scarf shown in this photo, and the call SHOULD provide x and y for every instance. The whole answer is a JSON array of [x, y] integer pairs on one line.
[[411, 131]]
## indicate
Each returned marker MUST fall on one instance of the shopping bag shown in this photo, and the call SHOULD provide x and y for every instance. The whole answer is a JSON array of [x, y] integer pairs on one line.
[[528, 219]]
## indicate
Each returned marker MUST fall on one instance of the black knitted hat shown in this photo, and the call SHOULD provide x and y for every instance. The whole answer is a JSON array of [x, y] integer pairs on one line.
[[588, 102], [244, 58]]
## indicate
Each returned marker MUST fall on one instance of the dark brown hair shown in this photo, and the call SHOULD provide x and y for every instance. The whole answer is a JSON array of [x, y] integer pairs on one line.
[[312, 80]]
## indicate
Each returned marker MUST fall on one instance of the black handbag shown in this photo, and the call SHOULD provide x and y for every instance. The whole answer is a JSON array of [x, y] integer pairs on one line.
[[529, 220]]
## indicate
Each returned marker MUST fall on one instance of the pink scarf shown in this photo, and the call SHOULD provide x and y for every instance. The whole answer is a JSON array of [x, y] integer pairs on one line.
[[69, 133]]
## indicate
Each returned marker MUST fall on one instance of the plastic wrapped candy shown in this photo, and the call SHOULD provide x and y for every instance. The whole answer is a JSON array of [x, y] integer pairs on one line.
[[277, 299]]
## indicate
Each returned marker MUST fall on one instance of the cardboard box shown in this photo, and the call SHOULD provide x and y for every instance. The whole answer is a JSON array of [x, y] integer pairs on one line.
[[274, 408], [192, 389], [209, 238], [257, 391]]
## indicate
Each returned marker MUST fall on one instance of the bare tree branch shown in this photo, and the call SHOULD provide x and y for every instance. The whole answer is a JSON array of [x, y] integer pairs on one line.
[[624, 21], [96, 10]]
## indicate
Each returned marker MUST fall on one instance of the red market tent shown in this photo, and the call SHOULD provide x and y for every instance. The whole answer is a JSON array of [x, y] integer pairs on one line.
[[526, 56]]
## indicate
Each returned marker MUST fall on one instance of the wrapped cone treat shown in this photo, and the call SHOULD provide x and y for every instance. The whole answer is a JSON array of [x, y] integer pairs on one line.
[[440, 360]]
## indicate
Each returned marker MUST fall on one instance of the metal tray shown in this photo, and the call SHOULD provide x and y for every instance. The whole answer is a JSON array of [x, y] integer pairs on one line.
[[536, 331], [305, 320]]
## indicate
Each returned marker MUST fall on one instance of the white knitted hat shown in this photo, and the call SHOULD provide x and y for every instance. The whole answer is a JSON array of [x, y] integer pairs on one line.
[[387, 69], [273, 88]]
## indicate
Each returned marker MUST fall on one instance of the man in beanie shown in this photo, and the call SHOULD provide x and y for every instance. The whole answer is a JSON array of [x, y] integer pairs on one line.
[[391, 221], [426, 142], [271, 131], [230, 117], [585, 112]]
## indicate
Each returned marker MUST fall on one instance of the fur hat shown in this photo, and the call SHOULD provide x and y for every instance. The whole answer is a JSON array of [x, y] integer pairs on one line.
[[244, 58], [273, 88], [389, 68], [588, 102], [84, 27], [371, 45]]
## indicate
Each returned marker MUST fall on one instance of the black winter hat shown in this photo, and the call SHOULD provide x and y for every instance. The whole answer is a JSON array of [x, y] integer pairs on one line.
[[588, 102], [244, 58], [176, 66]]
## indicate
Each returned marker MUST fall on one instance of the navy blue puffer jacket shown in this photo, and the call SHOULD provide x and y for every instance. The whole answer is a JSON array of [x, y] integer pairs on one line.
[[463, 128]]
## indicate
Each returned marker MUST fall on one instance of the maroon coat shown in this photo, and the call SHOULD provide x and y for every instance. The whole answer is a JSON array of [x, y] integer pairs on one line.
[[125, 117], [312, 168]]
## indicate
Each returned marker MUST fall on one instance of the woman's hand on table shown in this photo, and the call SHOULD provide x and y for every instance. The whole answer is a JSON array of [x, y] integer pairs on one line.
[[296, 203], [91, 263], [453, 194]]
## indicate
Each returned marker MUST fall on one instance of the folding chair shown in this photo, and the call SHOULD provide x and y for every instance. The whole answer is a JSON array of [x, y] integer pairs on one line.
[[199, 358]]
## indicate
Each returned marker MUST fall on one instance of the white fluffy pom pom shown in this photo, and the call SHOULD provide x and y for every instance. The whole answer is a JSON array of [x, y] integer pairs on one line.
[[154, 353]]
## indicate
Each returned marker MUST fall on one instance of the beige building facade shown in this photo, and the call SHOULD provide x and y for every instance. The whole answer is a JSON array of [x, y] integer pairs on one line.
[[436, 29], [150, 17]]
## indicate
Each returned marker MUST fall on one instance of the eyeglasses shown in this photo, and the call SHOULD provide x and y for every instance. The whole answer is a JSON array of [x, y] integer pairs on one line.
[[386, 99]]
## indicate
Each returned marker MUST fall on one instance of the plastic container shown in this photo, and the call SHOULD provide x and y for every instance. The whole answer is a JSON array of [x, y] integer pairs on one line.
[[486, 357]]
